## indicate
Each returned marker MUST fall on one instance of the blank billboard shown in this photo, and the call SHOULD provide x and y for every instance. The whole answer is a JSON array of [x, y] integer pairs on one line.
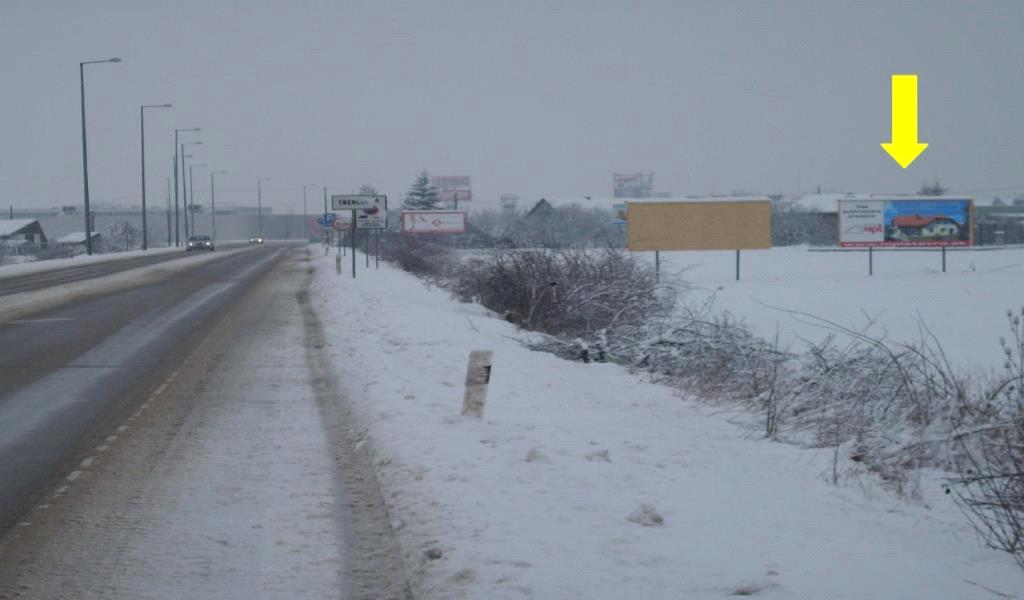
[[711, 224]]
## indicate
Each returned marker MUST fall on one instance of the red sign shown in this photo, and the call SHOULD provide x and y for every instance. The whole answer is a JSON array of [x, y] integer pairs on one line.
[[433, 221]]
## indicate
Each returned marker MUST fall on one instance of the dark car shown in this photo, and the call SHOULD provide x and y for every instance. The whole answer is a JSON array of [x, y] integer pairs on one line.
[[199, 242]]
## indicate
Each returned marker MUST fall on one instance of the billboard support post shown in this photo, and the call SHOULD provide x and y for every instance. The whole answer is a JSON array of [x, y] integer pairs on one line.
[[353, 243], [657, 266], [871, 260], [367, 252], [376, 253], [943, 259], [737, 265]]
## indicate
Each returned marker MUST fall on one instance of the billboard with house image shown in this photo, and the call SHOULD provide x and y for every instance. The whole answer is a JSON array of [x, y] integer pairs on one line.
[[910, 222]]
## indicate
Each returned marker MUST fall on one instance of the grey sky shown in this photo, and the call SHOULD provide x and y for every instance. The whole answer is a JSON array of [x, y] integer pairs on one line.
[[535, 98]]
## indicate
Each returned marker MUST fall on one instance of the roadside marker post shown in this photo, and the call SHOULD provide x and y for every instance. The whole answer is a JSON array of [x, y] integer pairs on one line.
[[478, 375], [353, 243]]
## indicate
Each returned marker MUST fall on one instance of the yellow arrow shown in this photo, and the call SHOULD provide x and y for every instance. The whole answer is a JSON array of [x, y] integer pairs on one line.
[[904, 147]]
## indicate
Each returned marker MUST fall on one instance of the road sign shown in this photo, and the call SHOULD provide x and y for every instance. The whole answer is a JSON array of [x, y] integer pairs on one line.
[[371, 218], [326, 220], [359, 201], [339, 225]]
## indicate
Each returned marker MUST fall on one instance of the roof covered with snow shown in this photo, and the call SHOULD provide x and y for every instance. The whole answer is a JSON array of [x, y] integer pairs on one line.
[[13, 226]]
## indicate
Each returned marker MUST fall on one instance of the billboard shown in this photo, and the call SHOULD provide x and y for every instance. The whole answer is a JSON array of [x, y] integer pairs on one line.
[[710, 224], [906, 222], [433, 221], [633, 185], [452, 188]]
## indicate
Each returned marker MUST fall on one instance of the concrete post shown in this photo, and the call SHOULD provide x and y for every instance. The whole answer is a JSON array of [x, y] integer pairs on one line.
[[478, 375]]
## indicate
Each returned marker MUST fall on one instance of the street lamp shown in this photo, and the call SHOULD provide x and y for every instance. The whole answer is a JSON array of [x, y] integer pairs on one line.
[[192, 196], [305, 217], [176, 163], [213, 204], [184, 196], [85, 151], [259, 206], [142, 128]]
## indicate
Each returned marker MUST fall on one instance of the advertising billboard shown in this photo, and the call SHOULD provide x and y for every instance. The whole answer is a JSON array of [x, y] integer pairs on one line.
[[704, 224], [433, 221], [452, 188], [633, 185], [906, 222]]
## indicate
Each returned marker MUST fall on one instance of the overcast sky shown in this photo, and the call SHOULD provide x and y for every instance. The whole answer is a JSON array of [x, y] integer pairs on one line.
[[534, 98]]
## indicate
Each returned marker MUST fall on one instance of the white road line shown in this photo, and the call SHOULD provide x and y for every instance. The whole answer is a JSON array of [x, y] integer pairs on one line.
[[88, 462], [159, 390], [122, 428], [61, 490], [54, 320], [102, 447], [111, 439], [73, 475]]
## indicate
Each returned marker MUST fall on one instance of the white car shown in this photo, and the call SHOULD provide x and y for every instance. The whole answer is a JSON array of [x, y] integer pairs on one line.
[[199, 242], [256, 240]]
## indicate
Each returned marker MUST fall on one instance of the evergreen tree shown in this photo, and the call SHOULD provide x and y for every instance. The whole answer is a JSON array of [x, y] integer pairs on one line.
[[422, 195], [932, 189]]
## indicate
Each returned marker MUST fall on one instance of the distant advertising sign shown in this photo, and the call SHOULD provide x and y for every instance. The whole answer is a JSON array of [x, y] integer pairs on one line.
[[433, 221], [619, 212], [452, 187], [916, 222], [633, 185], [372, 218]]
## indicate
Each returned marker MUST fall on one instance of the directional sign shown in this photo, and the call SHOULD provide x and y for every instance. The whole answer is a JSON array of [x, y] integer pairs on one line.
[[358, 201]]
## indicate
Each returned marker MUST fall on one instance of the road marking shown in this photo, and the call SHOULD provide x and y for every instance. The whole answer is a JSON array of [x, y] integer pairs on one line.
[[102, 447], [43, 506], [88, 462], [61, 490], [160, 390], [111, 439], [122, 428], [53, 320], [73, 475], [24, 524]]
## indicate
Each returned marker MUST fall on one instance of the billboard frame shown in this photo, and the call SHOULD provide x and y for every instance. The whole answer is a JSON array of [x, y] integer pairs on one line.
[[412, 213], [884, 224]]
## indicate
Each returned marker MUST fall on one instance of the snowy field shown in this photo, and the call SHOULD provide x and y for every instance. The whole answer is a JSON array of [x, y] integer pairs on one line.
[[965, 307], [585, 481]]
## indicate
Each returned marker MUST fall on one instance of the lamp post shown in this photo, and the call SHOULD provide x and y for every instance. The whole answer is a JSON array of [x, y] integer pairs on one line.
[[176, 163], [142, 129], [184, 196], [213, 205], [259, 206], [191, 208], [305, 215], [85, 150]]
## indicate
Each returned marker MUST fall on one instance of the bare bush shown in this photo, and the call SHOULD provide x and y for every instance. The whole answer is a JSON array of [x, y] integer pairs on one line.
[[566, 291], [990, 457]]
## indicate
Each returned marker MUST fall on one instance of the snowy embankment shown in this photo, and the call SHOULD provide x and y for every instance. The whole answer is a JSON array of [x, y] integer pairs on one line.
[[965, 307], [585, 481], [15, 306], [41, 266]]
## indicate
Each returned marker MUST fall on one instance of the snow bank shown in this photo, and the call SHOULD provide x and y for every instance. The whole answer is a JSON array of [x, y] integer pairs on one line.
[[584, 481], [40, 266], [15, 306]]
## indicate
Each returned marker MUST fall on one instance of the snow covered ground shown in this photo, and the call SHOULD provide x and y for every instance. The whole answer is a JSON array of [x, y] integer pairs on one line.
[[585, 481], [965, 307], [16, 305], [39, 266]]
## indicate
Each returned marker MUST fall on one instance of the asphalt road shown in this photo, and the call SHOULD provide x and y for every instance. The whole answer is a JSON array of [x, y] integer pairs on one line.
[[67, 373], [35, 281]]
